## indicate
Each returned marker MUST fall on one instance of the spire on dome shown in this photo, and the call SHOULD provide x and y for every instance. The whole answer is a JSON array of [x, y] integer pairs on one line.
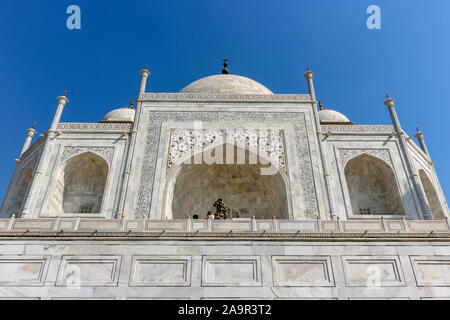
[[225, 66]]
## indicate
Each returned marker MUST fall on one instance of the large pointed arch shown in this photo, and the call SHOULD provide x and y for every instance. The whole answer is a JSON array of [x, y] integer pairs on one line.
[[192, 185], [80, 184], [372, 187], [432, 197]]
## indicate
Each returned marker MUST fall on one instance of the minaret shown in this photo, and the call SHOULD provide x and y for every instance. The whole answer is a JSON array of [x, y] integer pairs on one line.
[[309, 78], [412, 171], [30, 134], [36, 184], [419, 135], [323, 155], [132, 141], [144, 76], [62, 101]]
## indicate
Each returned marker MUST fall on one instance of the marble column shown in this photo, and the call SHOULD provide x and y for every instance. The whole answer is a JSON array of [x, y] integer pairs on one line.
[[30, 134], [419, 135], [412, 170], [323, 155], [126, 176], [36, 184]]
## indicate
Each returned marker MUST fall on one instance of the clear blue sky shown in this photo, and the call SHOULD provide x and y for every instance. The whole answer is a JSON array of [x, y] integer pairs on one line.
[[269, 41]]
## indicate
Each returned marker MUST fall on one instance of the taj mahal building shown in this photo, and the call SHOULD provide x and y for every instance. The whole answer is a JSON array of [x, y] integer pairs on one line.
[[316, 207]]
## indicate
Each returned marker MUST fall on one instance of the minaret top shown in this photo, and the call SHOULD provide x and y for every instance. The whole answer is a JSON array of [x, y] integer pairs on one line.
[[225, 66], [389, 101], [309, 74], [145, 72], [418, 133]]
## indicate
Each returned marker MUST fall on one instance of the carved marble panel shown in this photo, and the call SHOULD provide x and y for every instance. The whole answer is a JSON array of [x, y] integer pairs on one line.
[[106, 152], [161, 271], [23, 271], [297, 119], [373, 271], [237, 271], [270, 143], [89, 271], [302, 271], [431, 271], [345, 155]]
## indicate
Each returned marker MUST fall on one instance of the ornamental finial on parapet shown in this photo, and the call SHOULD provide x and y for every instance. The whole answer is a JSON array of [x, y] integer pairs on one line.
[[131, 104]]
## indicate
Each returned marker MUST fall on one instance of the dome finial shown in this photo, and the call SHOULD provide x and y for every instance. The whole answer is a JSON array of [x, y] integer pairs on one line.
[[131, 104], [34, 125], [225, 66], [65, 93]]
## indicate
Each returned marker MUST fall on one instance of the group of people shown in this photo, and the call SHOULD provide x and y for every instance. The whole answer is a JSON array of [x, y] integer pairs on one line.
[[222, 211]]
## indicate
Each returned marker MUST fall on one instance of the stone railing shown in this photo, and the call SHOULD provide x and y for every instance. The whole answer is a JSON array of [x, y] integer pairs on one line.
[[236, 226]]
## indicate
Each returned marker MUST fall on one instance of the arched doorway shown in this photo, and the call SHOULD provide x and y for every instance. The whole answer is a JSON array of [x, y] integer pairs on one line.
[[372, 187], [192, 189], [20, 191], [80, 185], [430, 192]]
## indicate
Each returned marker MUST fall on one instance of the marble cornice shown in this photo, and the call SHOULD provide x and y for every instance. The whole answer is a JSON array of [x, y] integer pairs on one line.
[[227, 236]]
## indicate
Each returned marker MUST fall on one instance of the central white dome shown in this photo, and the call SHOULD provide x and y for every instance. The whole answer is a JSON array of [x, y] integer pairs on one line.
[[227, 84]]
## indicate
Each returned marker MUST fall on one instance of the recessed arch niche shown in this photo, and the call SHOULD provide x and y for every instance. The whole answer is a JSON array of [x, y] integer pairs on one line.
[[191, 189], [372, 187], [432, 197], [79, 186], [19, 194]]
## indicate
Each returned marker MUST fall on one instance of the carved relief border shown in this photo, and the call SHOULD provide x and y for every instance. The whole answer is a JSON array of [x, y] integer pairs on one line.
[[156, 119], [225, 97], [95, 126], [345, 155], [69, 151], [358, 129], [268, 143]]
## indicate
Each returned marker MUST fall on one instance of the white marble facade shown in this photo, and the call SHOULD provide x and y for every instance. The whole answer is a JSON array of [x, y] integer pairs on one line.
[[133, 165]]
